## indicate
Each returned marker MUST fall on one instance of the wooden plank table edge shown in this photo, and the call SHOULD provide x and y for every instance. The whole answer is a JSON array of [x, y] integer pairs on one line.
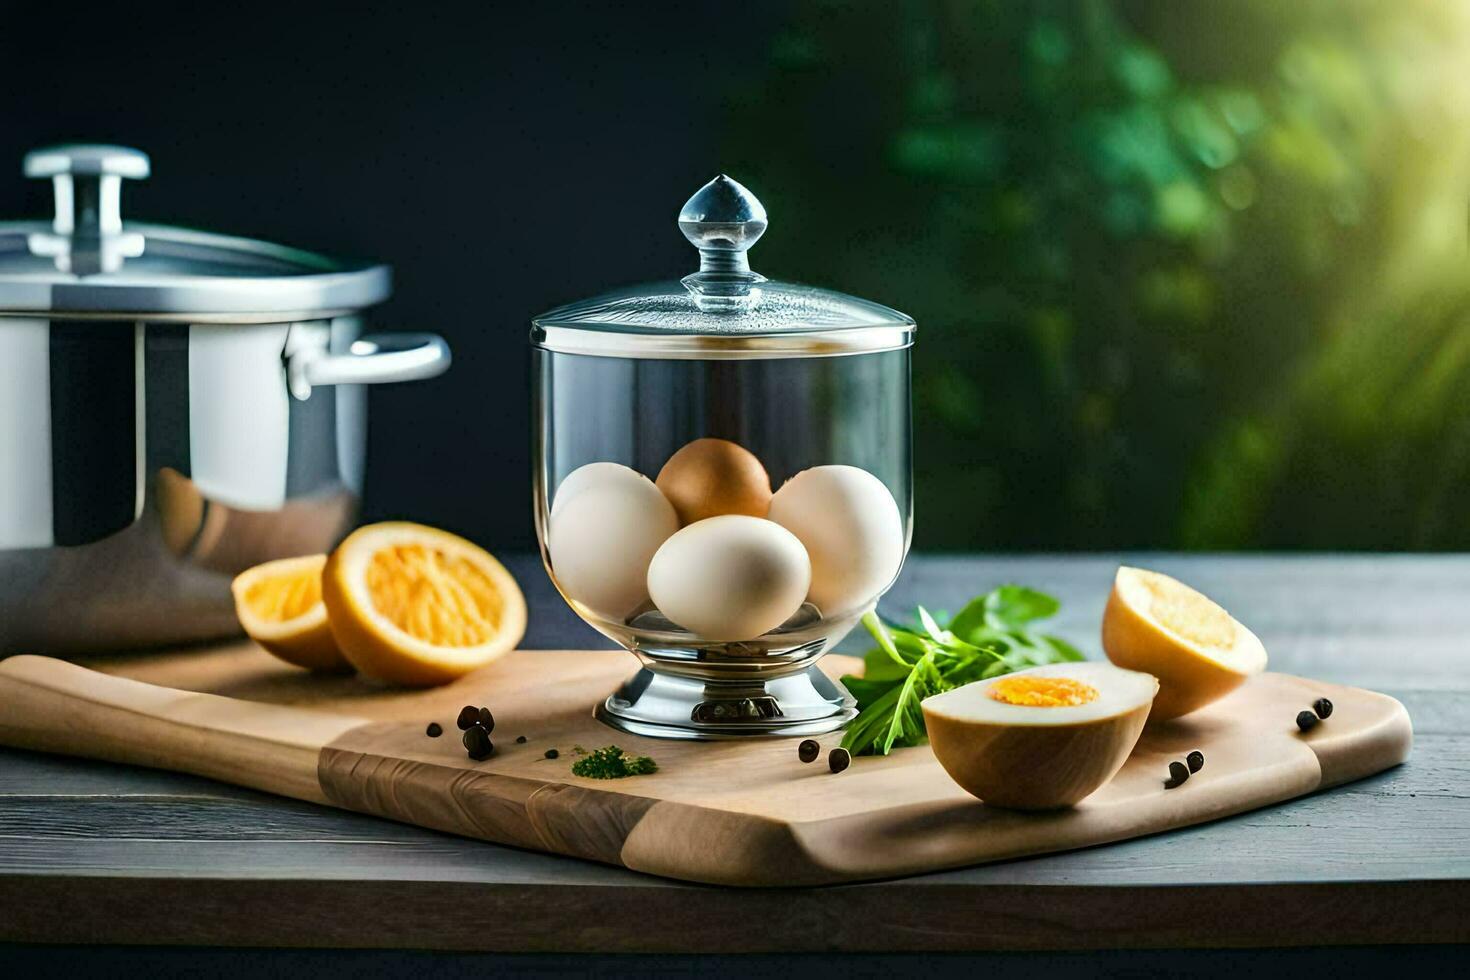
[[495, 917], [1345, 612]]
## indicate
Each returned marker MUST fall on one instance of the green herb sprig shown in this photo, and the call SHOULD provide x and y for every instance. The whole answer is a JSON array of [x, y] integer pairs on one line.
[[610, 762], [992, 635]]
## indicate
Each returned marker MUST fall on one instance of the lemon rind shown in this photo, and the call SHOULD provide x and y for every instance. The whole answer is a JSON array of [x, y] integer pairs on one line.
[[1246, 656]]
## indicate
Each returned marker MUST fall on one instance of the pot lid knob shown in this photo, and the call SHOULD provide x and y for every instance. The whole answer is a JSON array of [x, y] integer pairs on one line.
[[87, 235], [723, 219]]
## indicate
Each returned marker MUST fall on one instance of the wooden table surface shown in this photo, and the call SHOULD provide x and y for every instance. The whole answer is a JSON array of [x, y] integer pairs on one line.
[[91, 852]]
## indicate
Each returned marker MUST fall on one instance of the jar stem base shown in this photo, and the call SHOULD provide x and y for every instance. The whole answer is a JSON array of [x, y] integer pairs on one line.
[[664, 706]]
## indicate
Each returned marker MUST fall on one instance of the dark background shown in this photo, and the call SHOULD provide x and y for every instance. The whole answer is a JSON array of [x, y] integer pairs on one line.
[[480, 149], [1187, 275]]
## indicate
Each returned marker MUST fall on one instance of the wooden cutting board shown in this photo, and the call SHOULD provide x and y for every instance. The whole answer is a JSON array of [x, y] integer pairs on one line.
[[737, 813]]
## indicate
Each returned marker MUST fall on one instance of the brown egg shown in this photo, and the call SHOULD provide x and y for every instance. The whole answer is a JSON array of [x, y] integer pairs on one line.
[[711, 477]]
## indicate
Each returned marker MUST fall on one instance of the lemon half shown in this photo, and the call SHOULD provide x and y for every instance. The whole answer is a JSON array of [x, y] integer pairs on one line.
[[418, 606], [1161, 626], [280, 607]]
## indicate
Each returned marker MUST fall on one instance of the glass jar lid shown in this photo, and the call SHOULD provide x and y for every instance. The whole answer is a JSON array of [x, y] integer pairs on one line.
[[85, 263], [725, 310]]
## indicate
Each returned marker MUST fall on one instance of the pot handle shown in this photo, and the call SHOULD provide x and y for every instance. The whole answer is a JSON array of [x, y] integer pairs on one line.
[[374, 359]]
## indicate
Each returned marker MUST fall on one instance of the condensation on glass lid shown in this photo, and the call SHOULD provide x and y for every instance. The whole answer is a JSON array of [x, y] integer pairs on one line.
[[666, 307], [724, 309]]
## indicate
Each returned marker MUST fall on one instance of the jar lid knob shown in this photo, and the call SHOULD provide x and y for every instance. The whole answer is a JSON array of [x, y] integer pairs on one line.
[[723, 219], [87, 235]]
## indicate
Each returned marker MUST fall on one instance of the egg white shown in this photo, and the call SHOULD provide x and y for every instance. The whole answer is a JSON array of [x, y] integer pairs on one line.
[[851, 528], [591, 475], [730, 578], [1119, 691], [602, 539]]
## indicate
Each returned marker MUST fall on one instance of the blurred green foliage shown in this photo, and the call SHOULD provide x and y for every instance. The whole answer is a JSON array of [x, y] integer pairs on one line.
[[1186, 274]]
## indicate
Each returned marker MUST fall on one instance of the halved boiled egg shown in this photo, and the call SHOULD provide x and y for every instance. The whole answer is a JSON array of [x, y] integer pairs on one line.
[[1041, 738], [1197, 650]]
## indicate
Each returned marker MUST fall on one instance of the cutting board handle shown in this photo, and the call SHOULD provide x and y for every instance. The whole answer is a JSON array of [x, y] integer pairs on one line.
[[54, 706]]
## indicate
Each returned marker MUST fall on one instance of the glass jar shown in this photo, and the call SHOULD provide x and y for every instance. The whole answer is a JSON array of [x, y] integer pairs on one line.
[[722, 480]]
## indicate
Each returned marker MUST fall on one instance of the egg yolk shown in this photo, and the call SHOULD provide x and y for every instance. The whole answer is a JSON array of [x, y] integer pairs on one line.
[[1042, 692]]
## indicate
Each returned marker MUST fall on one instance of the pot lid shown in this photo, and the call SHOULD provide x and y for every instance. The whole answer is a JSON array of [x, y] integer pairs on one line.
[[725, 310], [87, 263]]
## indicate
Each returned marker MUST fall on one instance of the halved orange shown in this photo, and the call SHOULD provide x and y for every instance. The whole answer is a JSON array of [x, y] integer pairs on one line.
[[280, 606], [1161, 626], [418, 606]]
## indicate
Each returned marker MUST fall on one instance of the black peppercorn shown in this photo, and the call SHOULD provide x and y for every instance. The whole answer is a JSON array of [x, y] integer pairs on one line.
[[838, 759], [468, 715], [433, 731], [477, 743], [487, 720], [520, 740], [1323, 707], [808, 750], [1195, 760], [552, 753], [1306, 720], [1178, 773]]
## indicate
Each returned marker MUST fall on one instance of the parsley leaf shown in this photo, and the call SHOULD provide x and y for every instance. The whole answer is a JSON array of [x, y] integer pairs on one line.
[[990, 636]]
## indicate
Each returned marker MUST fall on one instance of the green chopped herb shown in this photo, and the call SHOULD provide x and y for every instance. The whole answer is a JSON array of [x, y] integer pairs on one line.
[[989, 637], [609, 762]]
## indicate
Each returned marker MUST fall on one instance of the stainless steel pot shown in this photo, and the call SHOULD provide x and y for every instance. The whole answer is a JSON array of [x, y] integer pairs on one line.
[[174, 407]]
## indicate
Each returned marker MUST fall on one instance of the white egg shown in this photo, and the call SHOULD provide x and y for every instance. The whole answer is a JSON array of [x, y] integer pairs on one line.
[[730, 578], [590, 475], [602, 538], [851, 529]]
